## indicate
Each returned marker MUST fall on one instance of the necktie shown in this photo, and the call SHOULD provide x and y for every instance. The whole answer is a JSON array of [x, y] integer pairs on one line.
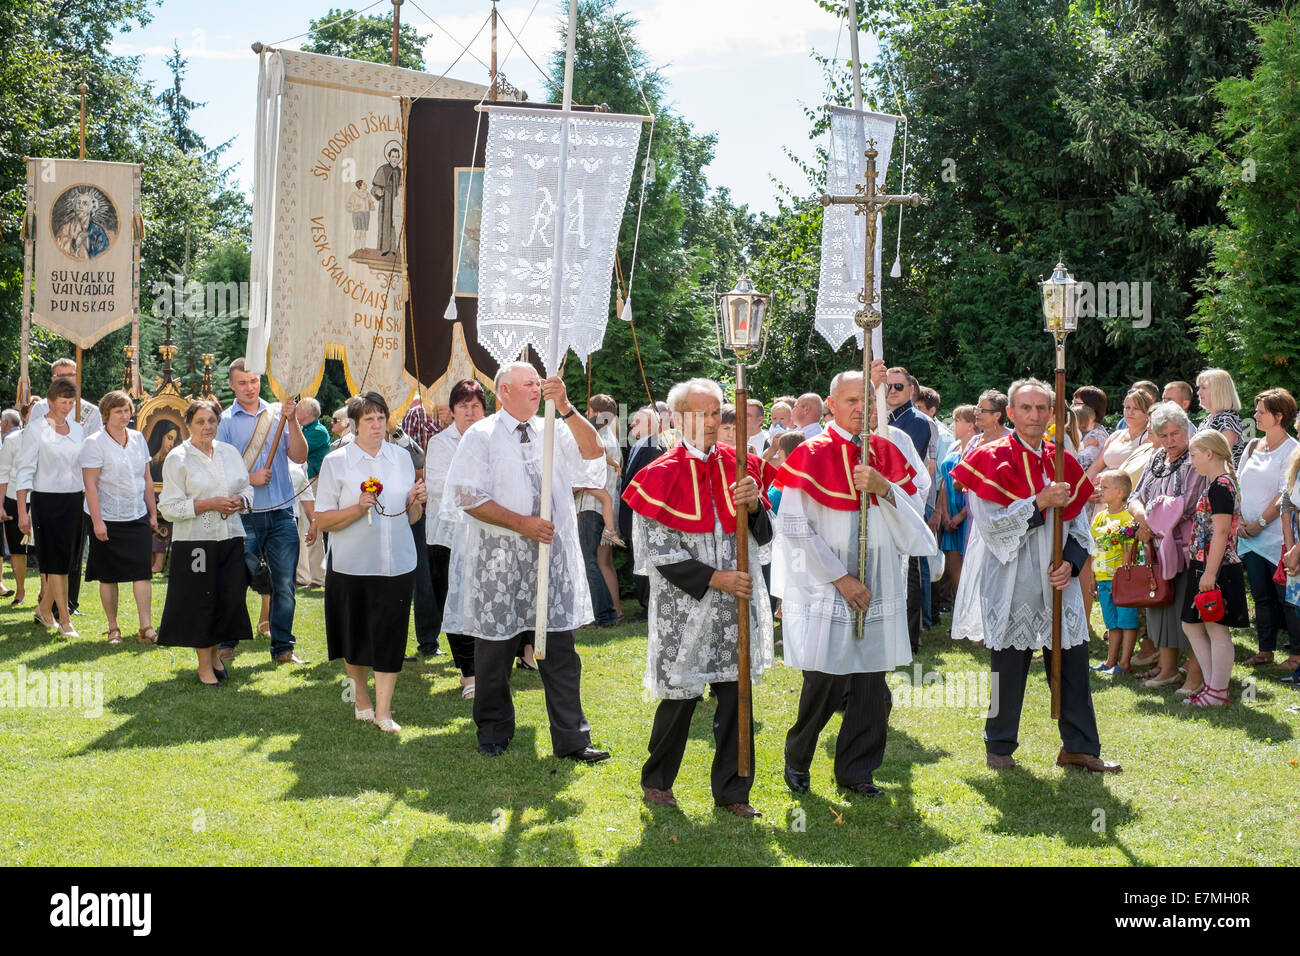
[[522, 428], [857, 440]]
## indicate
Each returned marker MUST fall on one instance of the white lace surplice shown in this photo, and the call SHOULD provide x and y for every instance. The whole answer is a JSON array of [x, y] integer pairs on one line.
[[492, 576], [1004, 598], [816, 546], [693, 643]]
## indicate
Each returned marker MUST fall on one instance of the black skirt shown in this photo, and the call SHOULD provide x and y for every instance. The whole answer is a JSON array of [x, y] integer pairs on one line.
[[56, 526], [205, 595], [1232, 582], [14, 537], [367, 618], [127, 555]]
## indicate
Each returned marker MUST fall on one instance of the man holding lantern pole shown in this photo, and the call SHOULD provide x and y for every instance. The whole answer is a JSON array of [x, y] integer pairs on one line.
[[686, 506], [1004, 599], [494, 483]]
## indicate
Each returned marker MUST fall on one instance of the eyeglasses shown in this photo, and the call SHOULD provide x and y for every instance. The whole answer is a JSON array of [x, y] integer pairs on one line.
[[986, 411], [896, 386]]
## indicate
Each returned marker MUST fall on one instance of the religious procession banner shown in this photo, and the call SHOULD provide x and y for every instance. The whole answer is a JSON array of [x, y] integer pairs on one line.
[[81, 226], [444, 217], [844, 234], [517, 279], [329, 269]]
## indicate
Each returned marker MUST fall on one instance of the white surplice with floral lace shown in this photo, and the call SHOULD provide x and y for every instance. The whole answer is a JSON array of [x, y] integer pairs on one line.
[[492, 574], [1004, 598], [693, 643]]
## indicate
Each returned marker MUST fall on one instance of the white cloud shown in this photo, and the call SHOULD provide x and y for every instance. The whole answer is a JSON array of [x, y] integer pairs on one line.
[[198, 52]]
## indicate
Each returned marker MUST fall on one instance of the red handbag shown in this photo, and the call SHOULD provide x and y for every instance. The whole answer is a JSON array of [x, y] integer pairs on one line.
[[1210, 605], [1140, 585]]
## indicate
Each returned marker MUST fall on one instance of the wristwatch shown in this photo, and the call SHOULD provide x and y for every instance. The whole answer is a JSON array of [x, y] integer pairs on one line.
[[569, 414]]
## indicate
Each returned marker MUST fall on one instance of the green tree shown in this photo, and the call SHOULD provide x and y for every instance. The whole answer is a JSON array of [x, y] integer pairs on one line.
[[1249, 313], [177, 106], [365, 37]]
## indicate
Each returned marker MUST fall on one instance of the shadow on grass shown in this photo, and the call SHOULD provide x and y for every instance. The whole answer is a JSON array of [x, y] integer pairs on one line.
[[1077, 808], [1256, 723]]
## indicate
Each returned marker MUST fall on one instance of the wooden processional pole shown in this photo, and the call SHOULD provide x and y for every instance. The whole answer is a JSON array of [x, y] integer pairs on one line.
[[82, 90], [744, 681], [397, 25]]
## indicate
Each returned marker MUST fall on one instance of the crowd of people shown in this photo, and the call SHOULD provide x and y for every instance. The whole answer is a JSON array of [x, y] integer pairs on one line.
[[437, 522]]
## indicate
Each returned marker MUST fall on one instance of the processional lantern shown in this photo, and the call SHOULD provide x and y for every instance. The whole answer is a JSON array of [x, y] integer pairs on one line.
[[741, 327], [1060, 318]]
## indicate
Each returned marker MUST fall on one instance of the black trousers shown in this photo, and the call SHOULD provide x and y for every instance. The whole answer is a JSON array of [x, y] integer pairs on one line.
[[74, 577], [462, 647], [668, 736], [561, 671], [428, 612], [1078, 723], [914, 603], [860, 747]]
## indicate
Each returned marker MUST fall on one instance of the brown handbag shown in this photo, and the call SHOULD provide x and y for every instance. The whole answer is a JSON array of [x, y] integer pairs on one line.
[[1140, 585]]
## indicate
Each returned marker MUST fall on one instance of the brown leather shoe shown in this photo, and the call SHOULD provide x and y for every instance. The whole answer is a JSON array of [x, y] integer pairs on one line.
[[742, 810], [998, 761], [1087, 762], [289, 657], [660, 798]]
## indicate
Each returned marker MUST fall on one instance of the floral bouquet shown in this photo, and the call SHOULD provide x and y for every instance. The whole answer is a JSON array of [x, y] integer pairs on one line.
[[1116, 534], [372, 486]]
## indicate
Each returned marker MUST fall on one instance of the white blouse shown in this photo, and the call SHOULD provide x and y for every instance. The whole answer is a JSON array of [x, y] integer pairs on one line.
[[383, 545], [1260, 475], [9, 461], [121, 474], [48, 461], [437, 462], [188, 475]]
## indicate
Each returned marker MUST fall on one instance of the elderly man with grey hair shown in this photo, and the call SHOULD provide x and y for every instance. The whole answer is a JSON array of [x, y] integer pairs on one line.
[[494, 484], [687, 506]]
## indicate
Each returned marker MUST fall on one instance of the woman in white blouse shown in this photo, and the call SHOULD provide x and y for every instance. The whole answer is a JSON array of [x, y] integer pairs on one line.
[[49, 474], [370, 561], [1259, 534], [13, 440], [205, 484], [120, 513], [468, 404]]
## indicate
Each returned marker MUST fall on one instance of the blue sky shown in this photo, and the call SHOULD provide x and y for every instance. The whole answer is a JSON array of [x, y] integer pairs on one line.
[[738, 68]]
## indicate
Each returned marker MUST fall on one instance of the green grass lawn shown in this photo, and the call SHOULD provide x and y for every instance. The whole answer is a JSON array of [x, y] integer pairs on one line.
[[273, 769]]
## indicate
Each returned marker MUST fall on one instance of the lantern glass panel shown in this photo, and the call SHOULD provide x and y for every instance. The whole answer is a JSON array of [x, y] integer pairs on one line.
[[740, 321]]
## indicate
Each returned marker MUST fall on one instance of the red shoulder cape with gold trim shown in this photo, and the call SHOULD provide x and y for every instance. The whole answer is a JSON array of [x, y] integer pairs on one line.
[[822, 467], [684, 493], [1004, 471]]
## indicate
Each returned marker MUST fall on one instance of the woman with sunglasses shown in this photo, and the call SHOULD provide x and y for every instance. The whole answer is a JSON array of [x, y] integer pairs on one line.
[[990, 418]]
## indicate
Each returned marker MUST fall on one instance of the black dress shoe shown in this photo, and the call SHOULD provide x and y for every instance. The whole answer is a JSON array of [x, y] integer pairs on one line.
[[796, 781], [588, 755], [862, 789], [410, 659], [492, 750], [222, 674]]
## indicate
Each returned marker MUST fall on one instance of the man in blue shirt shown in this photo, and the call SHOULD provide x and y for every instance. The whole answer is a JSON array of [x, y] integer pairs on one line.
[[904, 416], [250, 424]]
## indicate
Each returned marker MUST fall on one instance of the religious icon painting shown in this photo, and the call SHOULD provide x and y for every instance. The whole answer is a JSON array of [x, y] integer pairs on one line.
[[84, 222], [467, 228]]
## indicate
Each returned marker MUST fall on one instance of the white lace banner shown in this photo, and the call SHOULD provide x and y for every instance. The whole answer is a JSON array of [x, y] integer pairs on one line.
[[520, 202], [840, 280]]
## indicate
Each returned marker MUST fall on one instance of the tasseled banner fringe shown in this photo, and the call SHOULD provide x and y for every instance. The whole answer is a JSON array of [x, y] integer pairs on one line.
[[626, 312], [450, 314]]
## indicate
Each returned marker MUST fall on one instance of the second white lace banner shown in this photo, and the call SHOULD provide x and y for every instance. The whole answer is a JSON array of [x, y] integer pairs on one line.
[[840, 280]]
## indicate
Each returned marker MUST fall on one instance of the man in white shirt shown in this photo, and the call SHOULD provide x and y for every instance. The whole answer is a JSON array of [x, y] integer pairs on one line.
[[494, 483]]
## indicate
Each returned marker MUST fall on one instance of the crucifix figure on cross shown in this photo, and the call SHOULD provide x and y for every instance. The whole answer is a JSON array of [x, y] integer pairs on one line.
[[869, 203]]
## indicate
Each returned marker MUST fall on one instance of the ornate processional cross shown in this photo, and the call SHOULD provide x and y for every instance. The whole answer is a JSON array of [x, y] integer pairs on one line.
[[867, 202]]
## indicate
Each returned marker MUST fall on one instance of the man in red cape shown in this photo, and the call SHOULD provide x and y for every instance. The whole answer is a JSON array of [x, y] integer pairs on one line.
[[1004, 598], [815, 572], [686, 504]]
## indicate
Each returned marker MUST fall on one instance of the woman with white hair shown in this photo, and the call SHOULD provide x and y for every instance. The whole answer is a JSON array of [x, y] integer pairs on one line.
[[1163, 504], [1218, 396]]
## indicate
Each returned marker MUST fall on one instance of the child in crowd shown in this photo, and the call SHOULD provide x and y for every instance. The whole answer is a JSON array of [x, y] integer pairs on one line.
[[780, 419], [1214, 565], [785, 443], [727, 428], [1112, 529]]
